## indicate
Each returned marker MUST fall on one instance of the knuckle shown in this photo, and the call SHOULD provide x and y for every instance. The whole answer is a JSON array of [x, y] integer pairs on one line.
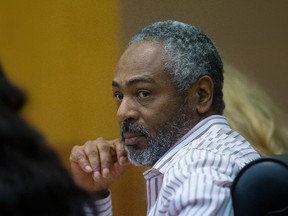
[[90, 149], [88, 143], [76, 153], [75, 148], [104, 148], [92, 153], [100, 139]]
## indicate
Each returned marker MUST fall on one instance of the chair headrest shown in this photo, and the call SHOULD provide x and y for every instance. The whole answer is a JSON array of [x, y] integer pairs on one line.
[[261, 187]]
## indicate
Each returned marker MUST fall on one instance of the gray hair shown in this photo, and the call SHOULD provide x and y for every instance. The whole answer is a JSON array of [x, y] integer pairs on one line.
[[188, 55]]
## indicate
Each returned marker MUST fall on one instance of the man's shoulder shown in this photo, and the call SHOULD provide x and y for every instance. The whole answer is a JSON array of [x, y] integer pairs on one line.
[[222, 145]]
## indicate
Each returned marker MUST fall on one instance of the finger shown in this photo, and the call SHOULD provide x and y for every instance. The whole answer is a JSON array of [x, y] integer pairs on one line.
[[78, 173], [100, 156], [120, 151], [107, 156], [78, 156], [92, 153]]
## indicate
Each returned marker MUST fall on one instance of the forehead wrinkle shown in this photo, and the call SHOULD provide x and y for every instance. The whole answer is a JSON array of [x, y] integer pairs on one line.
[[134, 81], [139, 80]]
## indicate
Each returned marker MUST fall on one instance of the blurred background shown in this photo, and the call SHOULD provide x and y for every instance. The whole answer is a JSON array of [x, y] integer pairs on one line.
[[63, 54]]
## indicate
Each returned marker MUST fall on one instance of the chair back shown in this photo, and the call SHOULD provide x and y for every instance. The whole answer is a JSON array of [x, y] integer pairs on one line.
[[261, 188]]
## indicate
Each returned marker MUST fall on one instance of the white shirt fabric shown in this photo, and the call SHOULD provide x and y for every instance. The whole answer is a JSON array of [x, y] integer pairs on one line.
[[194, 177]]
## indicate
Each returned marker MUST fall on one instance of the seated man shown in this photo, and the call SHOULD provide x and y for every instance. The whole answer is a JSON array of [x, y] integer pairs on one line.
[[168, 91]]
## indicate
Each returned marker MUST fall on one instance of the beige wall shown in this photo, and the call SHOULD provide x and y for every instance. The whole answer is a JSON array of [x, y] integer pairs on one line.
[[63, 54]]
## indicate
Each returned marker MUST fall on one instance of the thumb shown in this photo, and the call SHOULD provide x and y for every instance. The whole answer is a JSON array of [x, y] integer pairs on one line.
[[81, 178]]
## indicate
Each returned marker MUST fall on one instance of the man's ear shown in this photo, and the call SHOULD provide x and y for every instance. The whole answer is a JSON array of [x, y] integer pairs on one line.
[[201, 94]]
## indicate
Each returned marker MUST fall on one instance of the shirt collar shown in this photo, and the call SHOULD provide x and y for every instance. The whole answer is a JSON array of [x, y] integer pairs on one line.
[[197, 131]]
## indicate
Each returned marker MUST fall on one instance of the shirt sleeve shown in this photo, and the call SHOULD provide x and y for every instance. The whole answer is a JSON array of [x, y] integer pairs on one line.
[[103, 207]]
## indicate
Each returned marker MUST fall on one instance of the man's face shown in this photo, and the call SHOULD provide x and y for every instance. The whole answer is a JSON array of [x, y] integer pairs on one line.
[[150, 110]]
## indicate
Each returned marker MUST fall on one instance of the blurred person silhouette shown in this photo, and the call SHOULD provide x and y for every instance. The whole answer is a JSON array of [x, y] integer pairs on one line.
[[33, 180], [251, 112], [11, 95]]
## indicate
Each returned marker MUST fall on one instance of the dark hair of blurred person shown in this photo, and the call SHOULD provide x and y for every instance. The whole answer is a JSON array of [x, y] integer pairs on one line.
[[33, 180], [11, 96]]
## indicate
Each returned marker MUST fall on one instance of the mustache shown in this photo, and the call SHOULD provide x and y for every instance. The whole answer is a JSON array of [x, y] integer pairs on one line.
[[134, 127]]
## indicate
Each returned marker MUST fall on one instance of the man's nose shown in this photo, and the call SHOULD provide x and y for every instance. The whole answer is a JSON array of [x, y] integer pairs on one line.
[[127, 110]]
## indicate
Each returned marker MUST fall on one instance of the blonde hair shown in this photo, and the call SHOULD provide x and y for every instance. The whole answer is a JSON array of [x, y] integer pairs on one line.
[[252, 113]]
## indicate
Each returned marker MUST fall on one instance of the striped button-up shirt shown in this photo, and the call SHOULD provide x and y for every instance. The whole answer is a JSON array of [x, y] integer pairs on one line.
[[194, 177]]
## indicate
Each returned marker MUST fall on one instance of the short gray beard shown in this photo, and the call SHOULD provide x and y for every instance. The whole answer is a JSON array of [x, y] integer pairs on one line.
[[167, 135]]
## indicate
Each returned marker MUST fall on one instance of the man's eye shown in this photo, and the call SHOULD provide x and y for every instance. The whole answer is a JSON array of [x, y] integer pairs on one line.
[[118, 96], [143, 94]]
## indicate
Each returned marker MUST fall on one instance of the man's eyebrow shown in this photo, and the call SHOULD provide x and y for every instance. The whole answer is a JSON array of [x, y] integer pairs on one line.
[[134, 81]]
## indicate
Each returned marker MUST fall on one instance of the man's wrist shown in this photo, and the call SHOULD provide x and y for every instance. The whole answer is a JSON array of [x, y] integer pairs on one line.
[[101, 194]]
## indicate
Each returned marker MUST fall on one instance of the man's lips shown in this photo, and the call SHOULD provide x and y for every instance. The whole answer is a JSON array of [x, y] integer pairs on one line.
[[132, 138]]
